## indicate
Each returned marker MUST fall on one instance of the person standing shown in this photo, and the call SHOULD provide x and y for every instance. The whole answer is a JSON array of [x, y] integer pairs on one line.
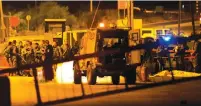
[[15, 56], [57, 54], [20, 47], [37, 53], [48, 69], [7, 53], [197, 53], [66, 51]]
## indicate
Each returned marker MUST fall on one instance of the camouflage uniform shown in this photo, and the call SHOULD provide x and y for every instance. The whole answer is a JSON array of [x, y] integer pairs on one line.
[[20, 47], [29, 56], [14, 55], [37, 54], [75, 48], [57, 53], [7, 53], [66, 52], [43, 50], [15, 58]]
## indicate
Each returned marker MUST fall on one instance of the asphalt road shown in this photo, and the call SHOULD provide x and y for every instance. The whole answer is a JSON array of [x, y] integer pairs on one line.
[[23, 91], [182, 94]]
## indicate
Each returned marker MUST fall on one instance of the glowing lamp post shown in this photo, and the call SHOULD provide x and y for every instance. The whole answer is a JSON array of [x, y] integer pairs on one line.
[[101, 25]]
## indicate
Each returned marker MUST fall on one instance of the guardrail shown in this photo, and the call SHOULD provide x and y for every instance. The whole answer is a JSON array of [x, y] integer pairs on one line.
[[83, 91]]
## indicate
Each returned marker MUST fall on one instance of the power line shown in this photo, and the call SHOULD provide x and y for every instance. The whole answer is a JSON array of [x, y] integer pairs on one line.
[[95, 14]]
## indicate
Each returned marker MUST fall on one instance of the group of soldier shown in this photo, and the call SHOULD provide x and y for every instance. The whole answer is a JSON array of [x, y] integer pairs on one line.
[[180, 54], [30, 53]]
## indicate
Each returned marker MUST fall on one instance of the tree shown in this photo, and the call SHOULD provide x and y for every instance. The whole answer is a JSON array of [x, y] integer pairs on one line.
[[50, 10]]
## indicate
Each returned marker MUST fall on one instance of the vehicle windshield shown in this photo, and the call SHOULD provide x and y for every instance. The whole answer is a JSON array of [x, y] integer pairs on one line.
[[113, 42], [146, 32]]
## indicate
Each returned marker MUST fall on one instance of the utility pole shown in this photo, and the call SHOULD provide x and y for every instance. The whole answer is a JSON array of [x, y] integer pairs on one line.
[[2, 25], [9, 29], [197, 7], [91, 5], [132, 15], [179, 18], [192, 16], [128, 14]]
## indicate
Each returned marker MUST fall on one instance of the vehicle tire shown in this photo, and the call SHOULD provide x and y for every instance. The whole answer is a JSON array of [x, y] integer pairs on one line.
[[91, 75], [115, 79], [130, 76]]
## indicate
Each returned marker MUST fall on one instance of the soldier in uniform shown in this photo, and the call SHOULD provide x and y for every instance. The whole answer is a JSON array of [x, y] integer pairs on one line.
[[29, 55], [15, 56], [66, 52], [20, 47], [43, 49], [7, 53], [37, 53], [181, 53], [75, 48], [197, 53], [57, 53]]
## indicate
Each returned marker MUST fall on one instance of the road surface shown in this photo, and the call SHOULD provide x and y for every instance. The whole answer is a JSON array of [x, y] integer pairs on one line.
[[182, 94], [23, 89]]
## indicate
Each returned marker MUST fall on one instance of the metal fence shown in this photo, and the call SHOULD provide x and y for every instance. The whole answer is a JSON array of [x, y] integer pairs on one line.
[[49, 94]]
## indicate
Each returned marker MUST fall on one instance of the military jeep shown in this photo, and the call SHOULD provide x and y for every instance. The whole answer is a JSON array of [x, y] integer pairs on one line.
[[114, 65]]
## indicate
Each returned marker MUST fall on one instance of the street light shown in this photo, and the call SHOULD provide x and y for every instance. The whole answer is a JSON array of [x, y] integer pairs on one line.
[[101, 25]]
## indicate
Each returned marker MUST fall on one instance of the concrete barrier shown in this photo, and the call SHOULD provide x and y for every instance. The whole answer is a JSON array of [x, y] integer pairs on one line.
[[5, 95]]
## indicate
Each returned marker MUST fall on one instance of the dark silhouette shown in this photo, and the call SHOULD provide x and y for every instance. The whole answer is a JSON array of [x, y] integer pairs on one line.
[[48, 70], [5, 96]]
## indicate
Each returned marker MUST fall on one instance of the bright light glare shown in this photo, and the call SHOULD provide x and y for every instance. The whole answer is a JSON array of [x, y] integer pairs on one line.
[[200, 19], [101, 25], [64, 72], [182, 6], [166, 38]]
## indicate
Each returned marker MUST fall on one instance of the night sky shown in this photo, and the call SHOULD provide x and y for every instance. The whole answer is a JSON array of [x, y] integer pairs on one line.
[[84, 5]]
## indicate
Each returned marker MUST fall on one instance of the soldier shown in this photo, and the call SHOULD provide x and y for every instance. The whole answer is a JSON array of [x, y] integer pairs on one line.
[[7, 53], [57, 53], [75, 48], [29, 55], [181, 53], [20, 47], [197, 53], [15, 56], [37, 53], [43, 49], [66, 52]]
